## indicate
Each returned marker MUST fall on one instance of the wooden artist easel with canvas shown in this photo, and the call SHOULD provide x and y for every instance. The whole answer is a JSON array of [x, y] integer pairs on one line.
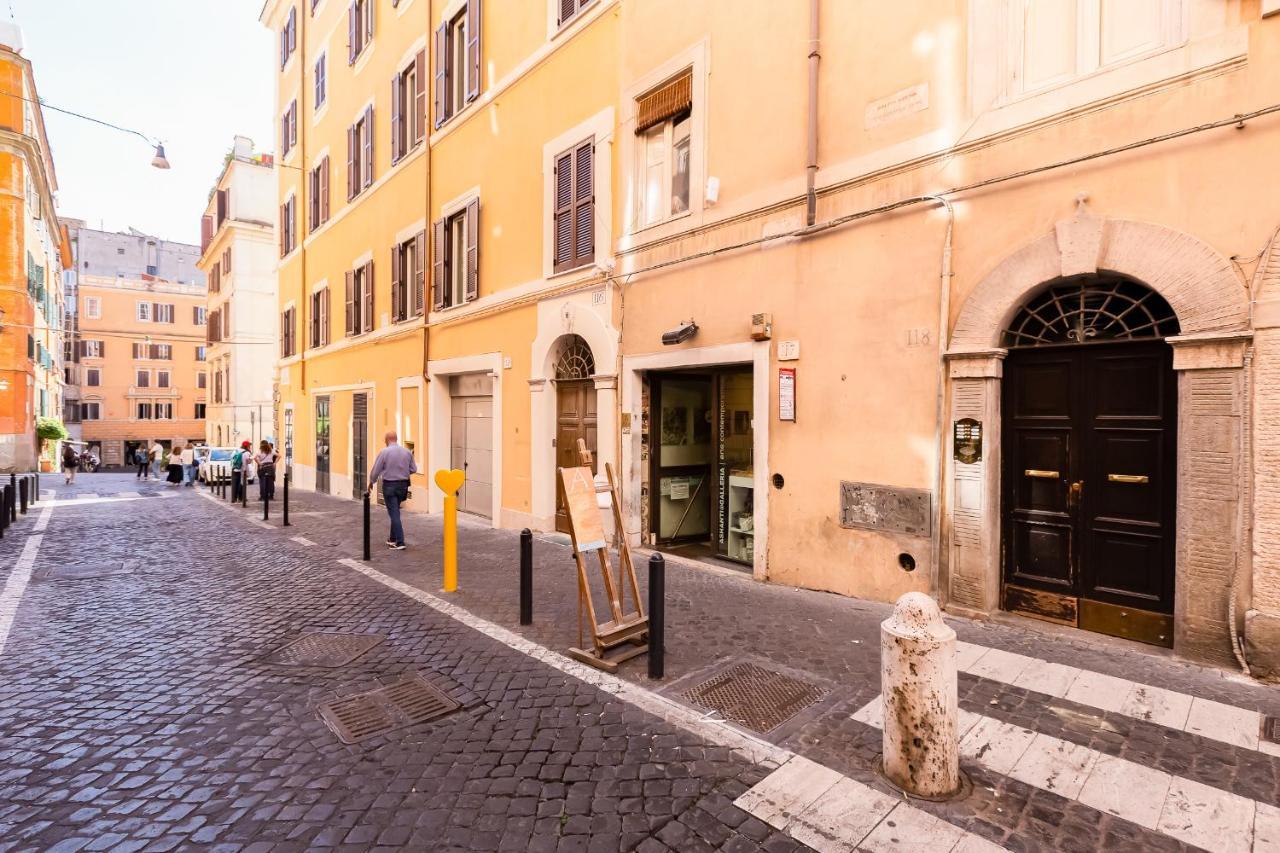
[[586, 531]]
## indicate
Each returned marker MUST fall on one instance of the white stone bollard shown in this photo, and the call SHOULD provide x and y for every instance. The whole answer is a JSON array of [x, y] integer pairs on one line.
[[918, 689]]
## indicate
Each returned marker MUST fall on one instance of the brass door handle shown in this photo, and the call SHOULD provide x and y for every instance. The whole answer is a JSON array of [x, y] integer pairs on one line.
[[1042, 475], [1128, 478], [1073, 493]]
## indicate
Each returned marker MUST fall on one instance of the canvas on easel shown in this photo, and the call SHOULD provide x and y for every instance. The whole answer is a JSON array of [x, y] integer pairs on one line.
[[627, 625]]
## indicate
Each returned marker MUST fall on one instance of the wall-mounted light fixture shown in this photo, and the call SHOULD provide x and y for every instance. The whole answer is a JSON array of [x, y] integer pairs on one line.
[[680, 334]]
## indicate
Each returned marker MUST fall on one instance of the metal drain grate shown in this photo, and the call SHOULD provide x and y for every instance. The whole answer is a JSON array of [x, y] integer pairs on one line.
[[406, 703], [754, 697], [324, 649], [84, 571], [1271, 729]]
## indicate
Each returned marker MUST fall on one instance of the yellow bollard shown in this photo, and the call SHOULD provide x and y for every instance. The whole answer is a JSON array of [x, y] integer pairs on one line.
[[449, 483]]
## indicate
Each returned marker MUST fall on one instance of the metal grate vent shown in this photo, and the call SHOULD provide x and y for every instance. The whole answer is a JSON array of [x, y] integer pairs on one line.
[[406, 703], [754, 697], [1271, 729], [84, 571], [324, 649]]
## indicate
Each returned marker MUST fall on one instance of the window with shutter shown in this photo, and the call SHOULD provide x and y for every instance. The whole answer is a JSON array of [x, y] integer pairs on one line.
[[366, 167], [226, 261], [353, 32], [206, 233], [473, 250], [397, 282], [441, 74], [473, 50], [569, 9], [324, 189], [397, 132], [663, 123], [321, 81], [351, 303], [366, 292], [419, 272], [353, 168], [419, 97], [438, 265]]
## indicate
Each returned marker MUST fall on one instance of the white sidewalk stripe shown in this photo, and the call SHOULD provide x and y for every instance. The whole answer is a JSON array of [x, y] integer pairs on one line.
[[1189, 811], [14, 587], [1229, 724], [302, 540], [43, 521]]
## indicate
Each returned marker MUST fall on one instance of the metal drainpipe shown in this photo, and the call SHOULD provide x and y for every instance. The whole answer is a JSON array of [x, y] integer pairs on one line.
[[944, 318], [811, 166]]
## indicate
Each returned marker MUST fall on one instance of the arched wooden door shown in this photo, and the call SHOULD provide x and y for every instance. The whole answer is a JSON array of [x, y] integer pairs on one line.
[[575, 409], [1089, 474]]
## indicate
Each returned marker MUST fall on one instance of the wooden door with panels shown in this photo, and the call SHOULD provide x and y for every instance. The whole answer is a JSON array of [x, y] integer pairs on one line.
[[576, 415]]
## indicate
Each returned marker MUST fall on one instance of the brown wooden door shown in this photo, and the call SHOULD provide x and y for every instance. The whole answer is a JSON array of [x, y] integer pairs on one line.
[[575, 419], [1089, 479]]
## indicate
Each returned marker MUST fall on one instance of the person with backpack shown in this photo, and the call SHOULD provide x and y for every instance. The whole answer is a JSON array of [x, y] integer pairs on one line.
[[240, 472], [70, 462]]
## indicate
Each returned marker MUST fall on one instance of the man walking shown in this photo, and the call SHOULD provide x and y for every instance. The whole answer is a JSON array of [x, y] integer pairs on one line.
[[141, 459], [189, 465], [157, 458], [393, 465], [70, 462]]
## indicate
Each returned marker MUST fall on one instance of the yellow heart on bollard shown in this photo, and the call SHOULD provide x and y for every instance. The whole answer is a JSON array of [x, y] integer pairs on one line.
[[450, 481]]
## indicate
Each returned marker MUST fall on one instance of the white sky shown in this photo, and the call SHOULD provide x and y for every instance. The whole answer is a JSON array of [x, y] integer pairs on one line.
[[193, 73]]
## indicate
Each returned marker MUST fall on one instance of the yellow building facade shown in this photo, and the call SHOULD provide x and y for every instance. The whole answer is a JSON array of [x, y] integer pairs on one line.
[[32, 258], [975, 301]]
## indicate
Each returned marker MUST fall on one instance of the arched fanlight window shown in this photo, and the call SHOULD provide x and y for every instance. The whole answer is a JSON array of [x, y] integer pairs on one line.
[[1092, 310], [575, 360]]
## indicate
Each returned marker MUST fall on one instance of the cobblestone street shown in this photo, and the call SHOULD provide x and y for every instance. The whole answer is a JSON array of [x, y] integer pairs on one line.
[[138, 709]]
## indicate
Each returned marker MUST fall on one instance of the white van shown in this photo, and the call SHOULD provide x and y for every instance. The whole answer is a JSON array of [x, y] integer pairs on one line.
[[218, 464]]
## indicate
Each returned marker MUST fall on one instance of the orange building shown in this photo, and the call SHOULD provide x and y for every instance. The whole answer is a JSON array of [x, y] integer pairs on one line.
[[33, 253], [142, 344]]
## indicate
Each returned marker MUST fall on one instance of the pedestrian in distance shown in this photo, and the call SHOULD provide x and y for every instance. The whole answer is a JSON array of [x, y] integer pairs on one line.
[[70, 462], [189, 465], [240, 463], [266, 460], [174, 465], [142, 458], [157, 457], [393, 466]]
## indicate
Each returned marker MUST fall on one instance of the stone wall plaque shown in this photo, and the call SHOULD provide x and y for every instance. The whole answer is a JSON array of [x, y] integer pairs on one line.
[[894, 510]]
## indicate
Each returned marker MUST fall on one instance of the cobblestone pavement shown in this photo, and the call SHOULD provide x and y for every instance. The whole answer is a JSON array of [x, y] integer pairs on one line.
[[716, 617], [137, 711], [135, 708]]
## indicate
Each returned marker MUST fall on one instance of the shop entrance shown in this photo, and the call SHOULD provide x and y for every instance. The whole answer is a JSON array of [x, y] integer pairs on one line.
[[701, 479], [1089, 439]]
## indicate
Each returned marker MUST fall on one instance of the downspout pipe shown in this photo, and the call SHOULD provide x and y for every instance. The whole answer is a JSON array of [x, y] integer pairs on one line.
[[940, 412], [811, 160]]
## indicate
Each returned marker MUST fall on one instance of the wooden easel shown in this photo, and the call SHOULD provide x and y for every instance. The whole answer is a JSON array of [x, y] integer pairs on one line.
[[586, 531]]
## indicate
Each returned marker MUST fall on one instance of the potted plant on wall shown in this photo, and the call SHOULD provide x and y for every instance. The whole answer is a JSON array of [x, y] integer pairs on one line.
[[48, 430]]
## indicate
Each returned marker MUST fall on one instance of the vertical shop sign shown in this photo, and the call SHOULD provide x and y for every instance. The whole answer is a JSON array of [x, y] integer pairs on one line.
[[786, 394]]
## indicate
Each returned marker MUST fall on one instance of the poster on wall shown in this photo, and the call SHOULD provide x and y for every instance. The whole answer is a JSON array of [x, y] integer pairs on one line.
[[786, 393]]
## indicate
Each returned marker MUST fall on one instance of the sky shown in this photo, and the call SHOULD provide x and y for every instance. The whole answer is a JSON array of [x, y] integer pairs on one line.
[[192, 73]]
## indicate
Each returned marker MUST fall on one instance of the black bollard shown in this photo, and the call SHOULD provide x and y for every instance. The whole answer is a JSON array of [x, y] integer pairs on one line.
[[657, 613], [366, 526], [6, 505], [36, 497], [286, 498], [266, 503], [235, 486], [526, 577], [244, 490], [22, 496]]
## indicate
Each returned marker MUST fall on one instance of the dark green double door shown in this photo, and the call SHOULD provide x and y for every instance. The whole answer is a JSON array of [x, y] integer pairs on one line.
[[1089, 483]]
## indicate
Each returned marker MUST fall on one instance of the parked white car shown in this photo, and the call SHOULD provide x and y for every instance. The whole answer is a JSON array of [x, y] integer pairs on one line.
[[218, 464]]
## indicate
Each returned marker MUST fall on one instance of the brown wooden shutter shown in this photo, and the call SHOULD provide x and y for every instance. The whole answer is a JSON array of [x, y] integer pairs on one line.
[[473, 249], [441, 78], [282, 229], [293, 123], [419, 97], [367, 294], [353, 175], [324, 324], [226, 260], [324, 190], [351, 303], [366, 173], [419, 272], [397, 279], [284, 334], [568, 8], [563, 212], [313, 202], [668, 100], [353, 36], [437, 265], [473, 50], [396, 117], [584, 207], [369, 6], [293, 29], [206, 233]]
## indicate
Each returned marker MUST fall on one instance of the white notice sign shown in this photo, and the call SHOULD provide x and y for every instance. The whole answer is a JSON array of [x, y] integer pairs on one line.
[[786, 393]]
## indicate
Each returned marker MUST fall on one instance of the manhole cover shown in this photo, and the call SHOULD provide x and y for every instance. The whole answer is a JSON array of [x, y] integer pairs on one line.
[[324, 649], [1271, 729], [84, 571], [405, 703], [757, 698]]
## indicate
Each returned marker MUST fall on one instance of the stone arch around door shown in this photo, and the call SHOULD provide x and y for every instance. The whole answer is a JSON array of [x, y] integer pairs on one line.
[[1209, 356], [559, 321]]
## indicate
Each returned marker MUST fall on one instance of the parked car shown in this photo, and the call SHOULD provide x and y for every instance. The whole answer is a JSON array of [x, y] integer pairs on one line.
[[217, 463]]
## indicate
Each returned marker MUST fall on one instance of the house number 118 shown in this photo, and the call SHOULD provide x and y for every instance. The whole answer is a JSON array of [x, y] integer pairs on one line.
[[918, 337]]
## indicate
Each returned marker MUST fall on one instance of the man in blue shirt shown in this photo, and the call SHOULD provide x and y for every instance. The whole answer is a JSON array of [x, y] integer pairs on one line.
[[393, 465]]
